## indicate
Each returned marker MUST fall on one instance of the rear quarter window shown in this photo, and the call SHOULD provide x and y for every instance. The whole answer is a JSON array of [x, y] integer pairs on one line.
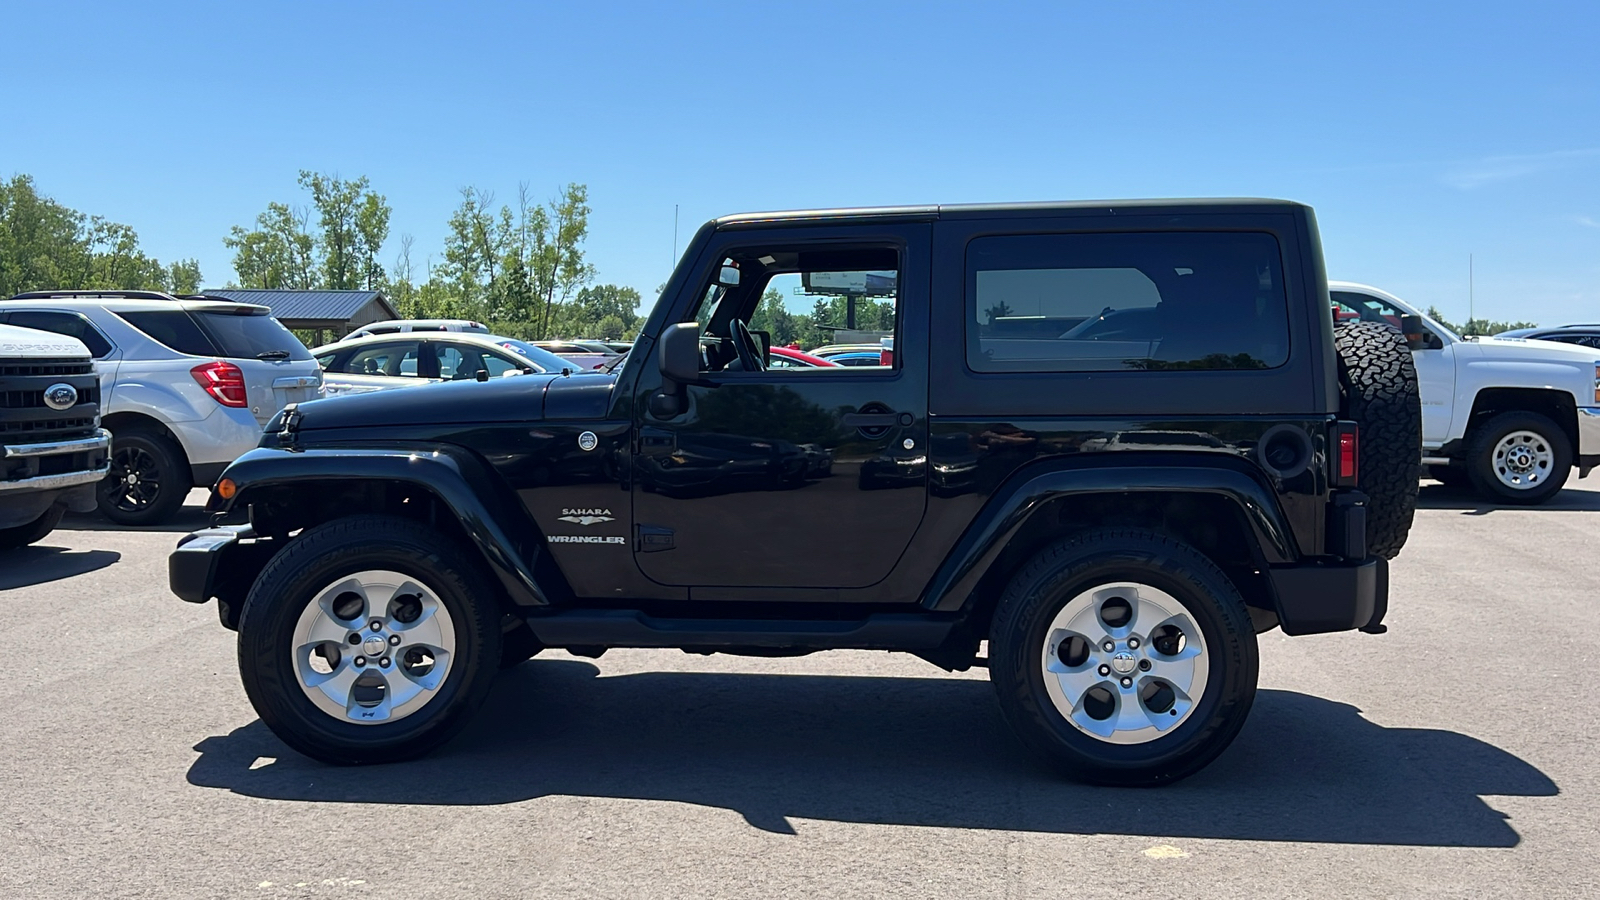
[[1126, 302], [174, 329]]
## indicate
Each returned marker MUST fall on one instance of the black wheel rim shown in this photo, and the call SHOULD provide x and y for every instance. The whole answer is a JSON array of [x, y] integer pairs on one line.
[[134, 480]]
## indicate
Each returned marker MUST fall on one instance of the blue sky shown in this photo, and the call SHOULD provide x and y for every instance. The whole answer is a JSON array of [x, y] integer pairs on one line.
[[1420, 132]]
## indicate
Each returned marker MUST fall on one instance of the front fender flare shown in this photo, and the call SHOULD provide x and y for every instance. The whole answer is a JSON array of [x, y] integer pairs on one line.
[[1011, 509], [498, 527]]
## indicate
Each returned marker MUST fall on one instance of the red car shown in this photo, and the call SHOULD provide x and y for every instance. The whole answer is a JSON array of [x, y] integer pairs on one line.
[[790, 358]]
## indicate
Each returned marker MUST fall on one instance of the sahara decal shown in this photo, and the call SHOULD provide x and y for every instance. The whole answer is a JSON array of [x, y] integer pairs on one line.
[[586, 516]]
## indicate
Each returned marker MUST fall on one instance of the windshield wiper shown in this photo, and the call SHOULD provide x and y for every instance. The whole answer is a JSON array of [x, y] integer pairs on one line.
[[273, 354]]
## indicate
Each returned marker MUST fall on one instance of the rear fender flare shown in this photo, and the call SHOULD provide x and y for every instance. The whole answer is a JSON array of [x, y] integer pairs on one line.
[[485, 506], [1011, 508]]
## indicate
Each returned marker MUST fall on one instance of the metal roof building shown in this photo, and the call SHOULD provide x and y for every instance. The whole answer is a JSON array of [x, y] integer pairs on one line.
[[339, 312]]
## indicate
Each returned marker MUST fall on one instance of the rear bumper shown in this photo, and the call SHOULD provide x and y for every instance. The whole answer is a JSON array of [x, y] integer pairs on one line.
[[1316, 599], [221, 563]]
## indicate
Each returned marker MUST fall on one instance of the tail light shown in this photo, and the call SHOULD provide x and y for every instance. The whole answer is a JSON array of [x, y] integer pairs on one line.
[[1346, 454], [224, 381], [1597, 382]]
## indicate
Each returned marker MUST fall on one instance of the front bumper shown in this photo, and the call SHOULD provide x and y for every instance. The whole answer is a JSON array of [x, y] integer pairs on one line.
[[219, 562], [1316, 599], [57, 464]]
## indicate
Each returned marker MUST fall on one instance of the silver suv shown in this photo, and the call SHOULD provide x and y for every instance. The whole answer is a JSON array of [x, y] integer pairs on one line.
[[185, 385]]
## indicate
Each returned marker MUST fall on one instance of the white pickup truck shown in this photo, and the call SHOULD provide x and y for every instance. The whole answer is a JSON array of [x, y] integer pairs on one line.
[[52, 450], [1508, 416]]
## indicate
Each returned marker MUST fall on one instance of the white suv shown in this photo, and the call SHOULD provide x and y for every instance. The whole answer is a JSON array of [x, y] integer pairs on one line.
[[185, 385], [406, 326]]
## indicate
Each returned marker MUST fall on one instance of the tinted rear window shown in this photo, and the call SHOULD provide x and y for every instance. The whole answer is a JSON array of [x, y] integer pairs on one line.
[[173, 328], [251, 337], [1126, 302]]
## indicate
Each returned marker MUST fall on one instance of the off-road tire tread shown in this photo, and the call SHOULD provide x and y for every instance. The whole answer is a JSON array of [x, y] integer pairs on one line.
[[1379, 380], [1012, 655]]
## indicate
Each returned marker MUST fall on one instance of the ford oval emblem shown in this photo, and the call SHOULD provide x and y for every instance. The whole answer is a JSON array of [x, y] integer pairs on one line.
[[60, 396], [587, 441]]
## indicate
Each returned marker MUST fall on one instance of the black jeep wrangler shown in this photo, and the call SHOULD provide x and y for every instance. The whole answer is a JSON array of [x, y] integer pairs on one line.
[[1113, 441]]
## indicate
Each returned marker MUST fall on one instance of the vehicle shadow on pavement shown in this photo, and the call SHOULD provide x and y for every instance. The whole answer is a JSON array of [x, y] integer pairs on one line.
[[905, 751], [42, 563], [1440, 496], [185, 520]]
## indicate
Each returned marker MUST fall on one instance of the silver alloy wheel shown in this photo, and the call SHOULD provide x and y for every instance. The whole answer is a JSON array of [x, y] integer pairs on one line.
[[1125, 662], [373, 647], [1523, 460]]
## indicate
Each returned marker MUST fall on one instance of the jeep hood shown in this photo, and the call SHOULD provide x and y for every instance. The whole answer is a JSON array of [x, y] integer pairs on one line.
[[520, 398], [30, 343]]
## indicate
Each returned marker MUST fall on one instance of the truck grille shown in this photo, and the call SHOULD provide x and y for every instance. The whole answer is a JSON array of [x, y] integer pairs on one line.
[[46, 367], [24, 416], [35, 399]]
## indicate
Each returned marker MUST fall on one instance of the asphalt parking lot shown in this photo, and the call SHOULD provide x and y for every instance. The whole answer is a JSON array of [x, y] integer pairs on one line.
[[1453, 757]]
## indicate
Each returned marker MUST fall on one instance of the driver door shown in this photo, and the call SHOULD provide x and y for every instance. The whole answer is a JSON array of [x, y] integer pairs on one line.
[[772, 477]]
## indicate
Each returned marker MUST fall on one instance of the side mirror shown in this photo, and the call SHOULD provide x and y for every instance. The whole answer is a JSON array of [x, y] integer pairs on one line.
[[679, 353], [483, 375], [1418, 337]]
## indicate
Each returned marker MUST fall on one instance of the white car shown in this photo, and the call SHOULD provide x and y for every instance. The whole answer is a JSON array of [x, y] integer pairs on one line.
[[390, 361], [185, 385], [1511, 417], [406, 326]]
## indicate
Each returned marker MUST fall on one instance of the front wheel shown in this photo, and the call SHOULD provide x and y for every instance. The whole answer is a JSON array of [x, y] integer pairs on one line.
[[1123, 657], [23, 535], [368, 639], [1519, 457]]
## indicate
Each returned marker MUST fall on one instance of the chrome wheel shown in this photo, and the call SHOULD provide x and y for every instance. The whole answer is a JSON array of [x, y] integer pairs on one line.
[[373, 647], [1125, 662], [1523, 460]]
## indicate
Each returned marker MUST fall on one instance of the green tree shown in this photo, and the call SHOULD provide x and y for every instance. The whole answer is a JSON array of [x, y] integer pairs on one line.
[[183, 276], [557, 264], [774, 318], [354, 223], [1477, 327], [279, 253], [46, 245]]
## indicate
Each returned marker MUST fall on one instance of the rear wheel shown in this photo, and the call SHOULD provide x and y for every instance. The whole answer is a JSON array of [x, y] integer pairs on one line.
[[1519, 457], [23, 535], [1123, 657], [148, 478], [369, 639]]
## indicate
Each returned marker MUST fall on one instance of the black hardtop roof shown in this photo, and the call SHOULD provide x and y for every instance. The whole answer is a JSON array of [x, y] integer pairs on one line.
[[1221, 205]]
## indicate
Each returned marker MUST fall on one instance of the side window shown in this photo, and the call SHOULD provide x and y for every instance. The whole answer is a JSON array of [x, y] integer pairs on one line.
[[325, 360], [1126, 302], [459, 361], [174, 329], [498, 365], [69, 324], [1582, 340], [396, 359], [821, 297]]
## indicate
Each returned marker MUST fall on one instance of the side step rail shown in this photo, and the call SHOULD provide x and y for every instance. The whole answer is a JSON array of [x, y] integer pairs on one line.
[[632, 628]]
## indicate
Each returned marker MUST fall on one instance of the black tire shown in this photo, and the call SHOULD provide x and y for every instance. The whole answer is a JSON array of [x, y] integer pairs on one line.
[[517, 646], [32, 532], [318, 558], [1379, 381], [1483, 467], [1062, 571], [152, 458]]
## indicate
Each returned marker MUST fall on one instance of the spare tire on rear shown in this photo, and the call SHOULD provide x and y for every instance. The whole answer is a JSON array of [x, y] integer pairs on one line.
[[1379, 382]]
